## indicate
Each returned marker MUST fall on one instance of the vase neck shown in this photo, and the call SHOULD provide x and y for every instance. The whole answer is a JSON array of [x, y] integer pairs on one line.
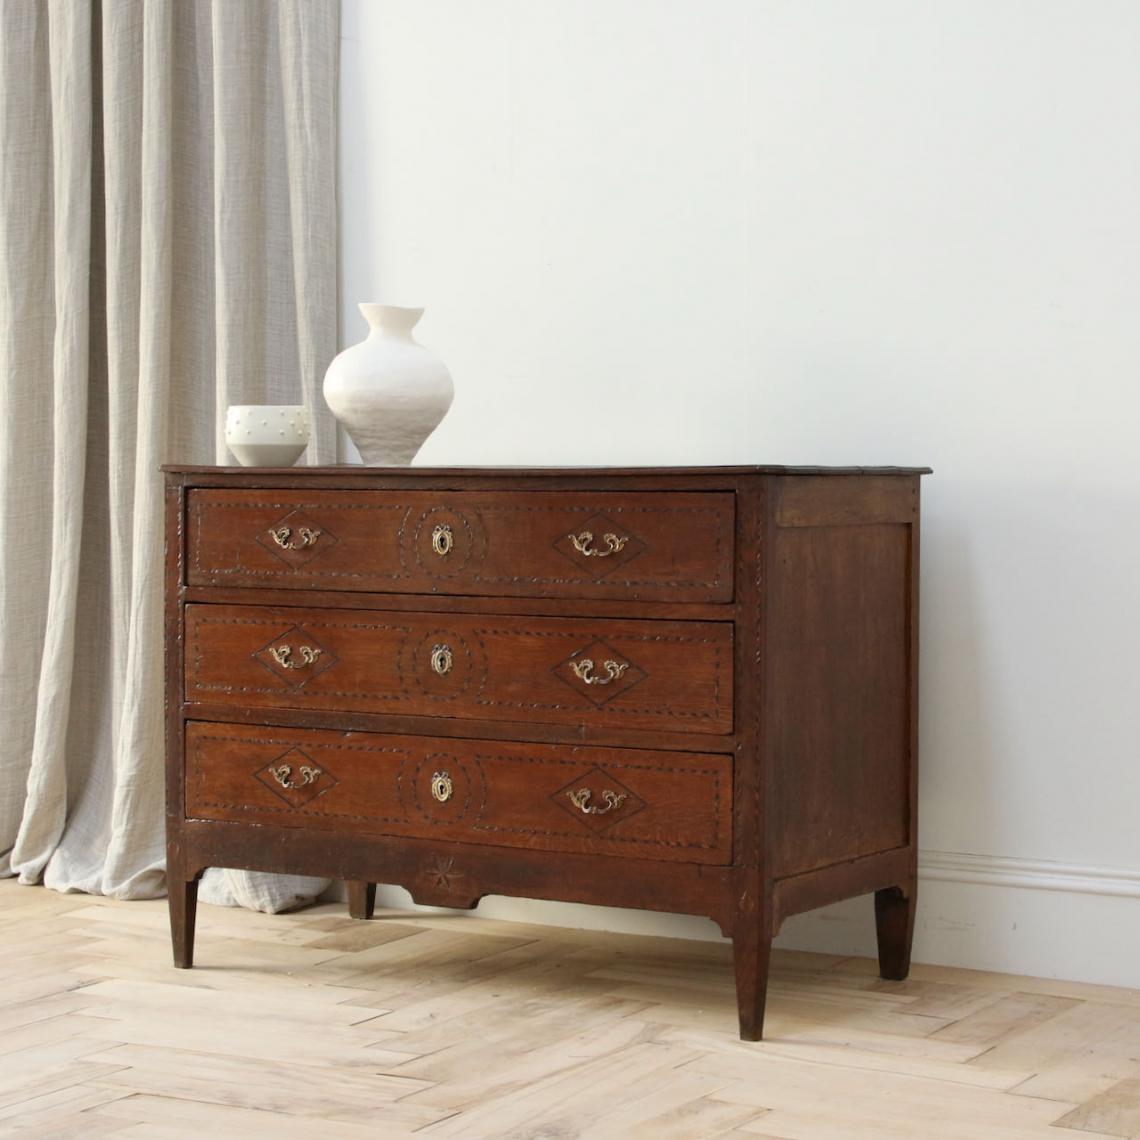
[[390, 321]]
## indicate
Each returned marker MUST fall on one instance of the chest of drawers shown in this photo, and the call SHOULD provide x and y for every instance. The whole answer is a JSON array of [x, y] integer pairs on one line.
[[682, 689]]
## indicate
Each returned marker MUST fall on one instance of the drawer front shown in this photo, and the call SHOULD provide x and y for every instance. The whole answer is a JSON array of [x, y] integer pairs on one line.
[[613, 801], [653, 675], [675, 547]]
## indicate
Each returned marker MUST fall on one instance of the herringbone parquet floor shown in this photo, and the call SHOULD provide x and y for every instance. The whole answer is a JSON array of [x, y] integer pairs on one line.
[[313, 1025]]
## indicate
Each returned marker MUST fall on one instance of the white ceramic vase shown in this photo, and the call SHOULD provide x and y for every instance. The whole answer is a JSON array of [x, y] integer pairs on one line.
[[388, 391]]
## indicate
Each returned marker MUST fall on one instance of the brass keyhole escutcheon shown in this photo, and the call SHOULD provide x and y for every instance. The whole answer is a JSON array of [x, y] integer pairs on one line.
[[441, 787], [442, 540], [441, 659]]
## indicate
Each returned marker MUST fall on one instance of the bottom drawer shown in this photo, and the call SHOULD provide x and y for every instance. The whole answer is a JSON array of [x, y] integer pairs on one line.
[[613, 801]]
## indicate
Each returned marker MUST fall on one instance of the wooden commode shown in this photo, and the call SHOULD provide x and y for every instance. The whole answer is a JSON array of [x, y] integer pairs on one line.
[[682, 689]]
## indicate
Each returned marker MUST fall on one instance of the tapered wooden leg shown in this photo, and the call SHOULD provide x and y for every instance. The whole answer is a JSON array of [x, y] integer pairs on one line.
[[894, 923], [752, 950], [182, 894], [361, 898]]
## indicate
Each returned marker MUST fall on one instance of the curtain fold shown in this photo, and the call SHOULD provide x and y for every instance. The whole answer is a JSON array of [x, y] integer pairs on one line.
[[167, 247]]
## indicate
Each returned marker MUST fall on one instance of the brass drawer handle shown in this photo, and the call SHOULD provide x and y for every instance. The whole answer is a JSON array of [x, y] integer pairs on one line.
[[441, 659], [282, 535], [442, 540], [581, 800], [584, 671], [583, 543], [283, 655], [284, 776], [441, 787]]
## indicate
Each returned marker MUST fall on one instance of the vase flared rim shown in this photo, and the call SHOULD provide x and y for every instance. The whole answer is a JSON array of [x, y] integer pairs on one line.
[[383, 308]]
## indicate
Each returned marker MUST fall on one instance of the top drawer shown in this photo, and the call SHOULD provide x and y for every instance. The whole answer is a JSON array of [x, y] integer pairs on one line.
[[675, 547]]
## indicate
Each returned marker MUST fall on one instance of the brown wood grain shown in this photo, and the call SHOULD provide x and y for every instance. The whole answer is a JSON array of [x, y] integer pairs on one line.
[[677, 675], [844, 880], [828, 501], [462, 477], [673, 806], [762, 716], [442, 725], [839, 700], [673, 547]]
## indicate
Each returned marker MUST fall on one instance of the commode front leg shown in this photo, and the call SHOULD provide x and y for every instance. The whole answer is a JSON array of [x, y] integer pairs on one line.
[[182, 896]]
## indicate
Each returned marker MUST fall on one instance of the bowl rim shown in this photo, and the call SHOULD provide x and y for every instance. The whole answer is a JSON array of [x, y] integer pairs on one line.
[[266, 408]]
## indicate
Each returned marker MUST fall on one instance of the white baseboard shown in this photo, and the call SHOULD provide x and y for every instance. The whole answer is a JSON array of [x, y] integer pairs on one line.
[[981, 912], [1029, 874], [1017, 916]]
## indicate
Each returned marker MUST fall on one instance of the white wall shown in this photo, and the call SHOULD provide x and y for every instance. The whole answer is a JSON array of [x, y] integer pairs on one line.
[[898, 231]]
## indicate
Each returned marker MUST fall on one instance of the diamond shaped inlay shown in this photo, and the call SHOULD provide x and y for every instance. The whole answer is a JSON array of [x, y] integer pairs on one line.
[[598, 800], [297, 538], [599, 545], [295, 657], [296, 778], [599, 673]]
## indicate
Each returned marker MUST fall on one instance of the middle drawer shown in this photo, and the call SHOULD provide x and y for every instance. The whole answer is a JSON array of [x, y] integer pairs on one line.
[[599, 672]]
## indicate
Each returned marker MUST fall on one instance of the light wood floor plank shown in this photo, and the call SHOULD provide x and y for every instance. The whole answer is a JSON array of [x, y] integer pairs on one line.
[[574, 1101], [314, 1025], [48, 1107], [739, 1056], [503, 1060], [75, 1126], [1116, 1111], [28, 1011], [48, 1031], [1055, 1042], [267, 1038], [276, 986], [1096, 1059], [1007, 1018], [1002, 983], [700, 1119], [20, 1087], [113, 997], [280, 1087], [191, 1117]]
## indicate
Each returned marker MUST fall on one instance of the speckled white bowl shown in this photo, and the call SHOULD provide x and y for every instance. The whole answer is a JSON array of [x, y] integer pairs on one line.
[[267, 435]]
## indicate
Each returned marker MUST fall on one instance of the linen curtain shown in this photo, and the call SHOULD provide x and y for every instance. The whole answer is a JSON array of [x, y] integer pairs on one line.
[[167, 247]]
